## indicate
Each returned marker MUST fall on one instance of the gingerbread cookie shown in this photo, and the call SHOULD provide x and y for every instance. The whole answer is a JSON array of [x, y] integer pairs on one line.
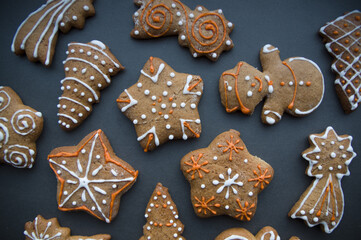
[[37, 35], [91, 177], [162, 217], [20, 127], [343, 41], [323, 202], [266, 233], [88, 69], [163, 104], [225, 178], [294, 85], [42, 228], [204, 32]]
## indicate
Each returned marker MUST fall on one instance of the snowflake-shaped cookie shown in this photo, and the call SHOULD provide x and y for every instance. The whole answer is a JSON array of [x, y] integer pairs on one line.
[[225, 178], [162, 104], [90, 177], [322, 202], [43, 229]]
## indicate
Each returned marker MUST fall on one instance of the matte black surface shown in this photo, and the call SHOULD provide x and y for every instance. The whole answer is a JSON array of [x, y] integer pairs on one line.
[[292, 26]]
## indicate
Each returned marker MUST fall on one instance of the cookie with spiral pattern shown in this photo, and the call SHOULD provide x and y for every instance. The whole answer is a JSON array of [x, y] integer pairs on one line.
[[204, 32], [20, 127]]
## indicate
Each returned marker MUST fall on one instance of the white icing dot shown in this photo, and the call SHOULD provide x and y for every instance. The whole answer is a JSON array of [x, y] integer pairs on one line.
[[163, 106], [83, 151], [301, 83], [330, 168], [203, 186], [102, 62], [319, 167], [97, 156], [178, 14], [173, 5], [148, 228], [63, 162], [176, 217], [62, 88], [195, 55], [169, 83], [75, 90], [167, 126], [96, 57], [172, 74], [104, 201], [93, 208], [191, 15], [146, 215], [72, 50], [214, 55], [344, 156], [154, 110], [155, 198], [75, 69], [200, 9], [164, 196], [247, 78], [152, 205], [65, 193], [86, 8], [135, 121], [75, 18], [58, 172], [317, 157], [226, 207], [81, 50], [180, 23], [136, 32], [193, 106], [290, 83], [166, 116], [332, 142], [179, 229], [136, 14], [171, 208], [171, 137], [110, 70], [182, 104], [229, 24], [302, 212], [312, 211], [68, 87], [229, 88], [58, 106], [250, 194], [92, 77], [143, 116], [339, 166], [74, 203], [72, 110], [323, 144], [146, 92], [174, 105], [89, 53], [90, 99], [175, 235], [341, 147], [62, 24], [149, 210], [165, 93], [249, 94], [333, 223], [245, 161], [228, 42], [215, 158], [139, 85], [333, 155], [99, 85], [220, 11], [67, 126], [80, 114], [63, 124], [315, 219], [66, 69], [198, 121]]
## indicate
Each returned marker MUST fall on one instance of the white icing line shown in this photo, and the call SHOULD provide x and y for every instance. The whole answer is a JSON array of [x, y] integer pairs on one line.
[[82, 83], [236, 237], [67, 116], [91, 64], [132, 101], [74, 101], [186, 86], [155, 77], [267, 50], [152, 130]]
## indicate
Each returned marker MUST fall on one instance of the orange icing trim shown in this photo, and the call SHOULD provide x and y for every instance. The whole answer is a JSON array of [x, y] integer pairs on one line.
[[190, 129], [204, 205], [156, 19], [244, 212], [194, 85], [231, 147], [243, 108], [260, 83], [123, 100], [261, 177], [211, 26], [151, 65], [196, 167], [290, 106], [107, 159], [331, 190], [150, 138]]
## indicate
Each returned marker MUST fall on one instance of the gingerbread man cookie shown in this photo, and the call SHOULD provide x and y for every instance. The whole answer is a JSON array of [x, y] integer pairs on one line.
[[91, 177], [20, 127], [162, 217], [204, 32], [266, 233], [88, 69], [163, 104], [323, 201], [37, 35], [225, 178], [42, 228], [343, 42], [294, 85]]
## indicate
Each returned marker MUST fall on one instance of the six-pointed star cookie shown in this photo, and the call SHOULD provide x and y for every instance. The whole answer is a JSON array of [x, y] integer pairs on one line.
[[91, 177], [225, 178], [48, 229], [162, 104]]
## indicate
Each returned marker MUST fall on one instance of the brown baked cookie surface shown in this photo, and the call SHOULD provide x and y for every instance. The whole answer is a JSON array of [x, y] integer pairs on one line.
[[162, 217], [20, 127], [342, 38], [163, 104], [323, 201], [204, 32], [266, 233], [294, 85], [38, 33], [225, 178], [91, 177], [49, 229], [88, 70]]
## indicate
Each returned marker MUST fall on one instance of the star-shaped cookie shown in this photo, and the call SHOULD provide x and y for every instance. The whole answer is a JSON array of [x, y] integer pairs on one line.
[[225, 178], [91, 177], [48, 229], [163, 104]]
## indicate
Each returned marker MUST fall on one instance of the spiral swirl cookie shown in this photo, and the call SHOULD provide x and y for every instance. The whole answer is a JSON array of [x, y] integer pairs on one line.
[[20, 126], [88, 69], [163, 104], [204, 32], [38, 33], [225, 178], [342, 38], [49, 229]]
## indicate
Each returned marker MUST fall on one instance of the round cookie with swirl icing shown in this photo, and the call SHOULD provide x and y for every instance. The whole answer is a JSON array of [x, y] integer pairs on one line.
[[266, 233], [204, 32], [294, 85], [20, 127]]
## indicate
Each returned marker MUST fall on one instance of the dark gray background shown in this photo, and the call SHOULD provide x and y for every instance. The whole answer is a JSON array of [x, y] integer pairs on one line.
[[292, 26]]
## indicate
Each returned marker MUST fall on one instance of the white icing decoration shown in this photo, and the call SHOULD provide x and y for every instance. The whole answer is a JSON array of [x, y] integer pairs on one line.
[[185, 89], [20, 153], [271, 237], [152, 130], [67, 116], [266, 48], [23, 122], [236, 237], [155, 77], [132, 101], [182, 121], [38, 235], [269, 119], [2, 100], [227, 183], [76, 102]]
